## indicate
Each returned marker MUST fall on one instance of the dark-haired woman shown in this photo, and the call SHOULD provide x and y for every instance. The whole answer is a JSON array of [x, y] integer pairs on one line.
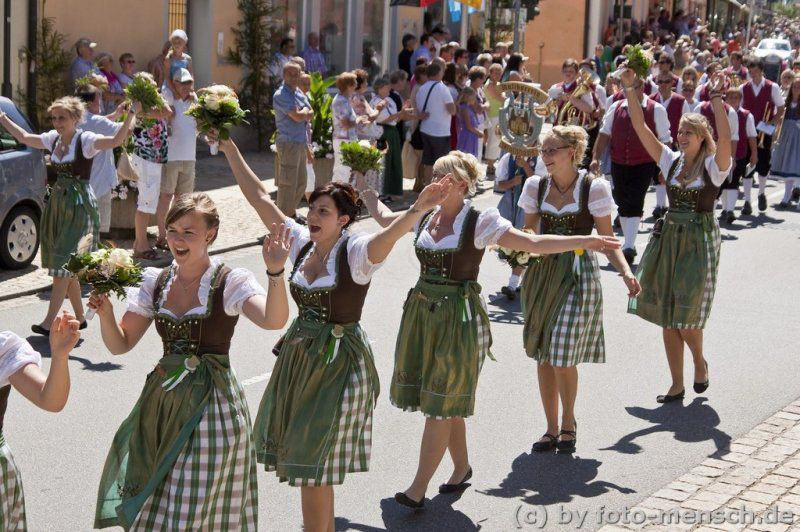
[[678, 272], [184, 458], [314, 424]]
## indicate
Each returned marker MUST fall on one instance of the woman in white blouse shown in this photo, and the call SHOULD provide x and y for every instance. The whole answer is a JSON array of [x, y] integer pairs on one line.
[[444, 334], [71, 210], [184, 457], [20, 367], [562, 295], [678, 272], [314, 424]]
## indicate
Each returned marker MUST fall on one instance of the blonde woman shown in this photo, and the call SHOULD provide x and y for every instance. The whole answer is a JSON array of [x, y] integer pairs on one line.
[[678, 271], [71, 211], [561, 293], [444, 334], [496, 99]]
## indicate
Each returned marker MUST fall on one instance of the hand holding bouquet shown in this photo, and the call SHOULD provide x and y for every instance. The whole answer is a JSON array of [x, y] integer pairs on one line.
[[143, 89], [639, 61], [217, 108], [105, 270]]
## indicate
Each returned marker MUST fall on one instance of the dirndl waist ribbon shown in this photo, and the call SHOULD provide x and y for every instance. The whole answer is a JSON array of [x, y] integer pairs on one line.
[[436, 291], [681, 221]]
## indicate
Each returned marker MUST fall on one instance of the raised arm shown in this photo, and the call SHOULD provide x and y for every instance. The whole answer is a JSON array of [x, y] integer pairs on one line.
[[254, 190], [383, 241], [29, 139], [648, 139], [546, 244], [50, 392], [272, 311], [723, 155], [376, 208], [109, 143]]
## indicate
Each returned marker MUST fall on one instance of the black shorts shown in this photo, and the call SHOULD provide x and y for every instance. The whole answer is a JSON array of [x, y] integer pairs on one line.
[[764, 156], [433, 148], [738, 173], [630, 187]]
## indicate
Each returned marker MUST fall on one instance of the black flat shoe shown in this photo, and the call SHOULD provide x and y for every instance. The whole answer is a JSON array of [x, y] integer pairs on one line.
[[762, 202], [700, 387], [405, 500], [83, 325], [567, 446], [629, 254], [544, 446], [454, 488], [38, 329], [670, 398], [509, 292], [747, 210]]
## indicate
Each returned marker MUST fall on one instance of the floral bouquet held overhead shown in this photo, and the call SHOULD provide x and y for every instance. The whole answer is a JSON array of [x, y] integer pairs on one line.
[[363, 158], [217, 108], [106, 270], [143, 89]]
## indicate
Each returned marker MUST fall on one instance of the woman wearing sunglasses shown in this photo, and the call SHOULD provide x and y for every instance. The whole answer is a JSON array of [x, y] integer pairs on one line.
[[561, 293]]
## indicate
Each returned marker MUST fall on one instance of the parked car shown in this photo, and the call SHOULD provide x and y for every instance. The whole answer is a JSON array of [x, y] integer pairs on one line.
[[23, 184], [776, 54]]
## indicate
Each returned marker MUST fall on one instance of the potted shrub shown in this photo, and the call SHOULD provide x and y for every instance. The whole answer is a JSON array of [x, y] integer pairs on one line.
[[322, 127]]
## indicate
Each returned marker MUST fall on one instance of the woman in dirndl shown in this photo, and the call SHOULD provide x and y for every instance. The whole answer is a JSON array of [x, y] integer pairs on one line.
[[20, 367], [562, 298], [184, 458], [678, 271], [785, 148], [314, 424], [71, 210], [444, 334]]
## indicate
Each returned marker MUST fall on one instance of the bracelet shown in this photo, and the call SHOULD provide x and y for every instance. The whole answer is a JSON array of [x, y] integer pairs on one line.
[[276, 274]]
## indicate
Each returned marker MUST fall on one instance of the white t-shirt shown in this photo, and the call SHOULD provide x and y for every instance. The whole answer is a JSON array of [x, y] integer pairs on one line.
[[182, 141], [240, 285], [15, 354], [601, 202], [104, 173], [659, 116], [438, 122], [668, 157]]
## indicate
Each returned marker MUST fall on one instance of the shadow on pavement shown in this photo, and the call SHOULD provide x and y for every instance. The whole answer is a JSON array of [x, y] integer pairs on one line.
[[694, 423], [550, 478], [502, 310], [42, 345], [438, 515]]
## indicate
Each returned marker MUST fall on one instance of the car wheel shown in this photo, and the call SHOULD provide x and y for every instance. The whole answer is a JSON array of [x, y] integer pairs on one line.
[[19, 238]]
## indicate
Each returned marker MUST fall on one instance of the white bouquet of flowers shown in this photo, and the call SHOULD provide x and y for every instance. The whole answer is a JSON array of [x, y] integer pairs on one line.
[[218, 108], [516, 258]]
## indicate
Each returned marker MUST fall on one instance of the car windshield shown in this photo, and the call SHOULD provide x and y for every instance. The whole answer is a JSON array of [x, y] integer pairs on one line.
[[774, 45]]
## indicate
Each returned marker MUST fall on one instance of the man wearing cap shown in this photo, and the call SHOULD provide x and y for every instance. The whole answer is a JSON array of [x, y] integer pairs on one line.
[[292, 114], [83, 63], [179, 170]]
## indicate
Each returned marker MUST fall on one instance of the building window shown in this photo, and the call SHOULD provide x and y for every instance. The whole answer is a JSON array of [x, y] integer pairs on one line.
[[178, 15]]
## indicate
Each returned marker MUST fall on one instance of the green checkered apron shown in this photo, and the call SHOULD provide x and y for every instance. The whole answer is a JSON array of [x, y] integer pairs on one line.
[[444, 334], [314, 424], [678, 270], [70, 213], [184, 458], [12, 499], [562, 299]]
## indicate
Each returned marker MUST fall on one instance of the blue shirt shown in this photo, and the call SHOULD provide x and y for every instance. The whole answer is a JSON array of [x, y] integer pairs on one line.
[[421, 51], [287, 99], [80, 67]]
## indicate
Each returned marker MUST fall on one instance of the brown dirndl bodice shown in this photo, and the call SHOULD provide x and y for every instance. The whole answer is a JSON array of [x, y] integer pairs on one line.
[[460, 264], [573, 223], [80, 167], [197, 334], [691, 199], [340, 303]]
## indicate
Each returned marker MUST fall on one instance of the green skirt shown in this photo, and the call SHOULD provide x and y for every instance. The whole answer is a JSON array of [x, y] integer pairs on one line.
[[12, 499], [443, 340], [314, 423], [562, 302], [678, 272], [392, 162], [69, 215], [184, 458]]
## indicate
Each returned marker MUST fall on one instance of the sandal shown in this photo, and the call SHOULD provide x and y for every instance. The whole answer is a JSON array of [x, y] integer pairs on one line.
[[149, 254], [544, 446], [161, 243], [567, 446]]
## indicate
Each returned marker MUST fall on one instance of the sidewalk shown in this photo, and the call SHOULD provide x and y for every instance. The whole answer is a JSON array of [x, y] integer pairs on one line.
[[240, 226], [757, 477]]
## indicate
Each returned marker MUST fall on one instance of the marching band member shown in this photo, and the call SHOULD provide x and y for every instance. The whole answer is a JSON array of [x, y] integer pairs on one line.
[[678, 271], [562, 92], [746, 152]]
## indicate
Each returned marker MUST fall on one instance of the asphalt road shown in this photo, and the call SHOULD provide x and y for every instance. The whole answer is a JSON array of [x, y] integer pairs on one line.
[[628, 445]]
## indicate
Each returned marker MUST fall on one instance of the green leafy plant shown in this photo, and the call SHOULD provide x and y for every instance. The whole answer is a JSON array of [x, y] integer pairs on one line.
[[639, 61], [51, 61], [322, 125], [143, 89], [256, 40], [93, 78], [361, 156]]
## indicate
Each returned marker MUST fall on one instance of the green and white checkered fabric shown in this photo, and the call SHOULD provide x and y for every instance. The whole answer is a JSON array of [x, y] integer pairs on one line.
[[577, 334], [213, 484], [712, 248], [12, 500]]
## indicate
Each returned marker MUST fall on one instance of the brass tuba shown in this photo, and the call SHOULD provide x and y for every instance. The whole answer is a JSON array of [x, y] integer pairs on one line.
[[569, 115]]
